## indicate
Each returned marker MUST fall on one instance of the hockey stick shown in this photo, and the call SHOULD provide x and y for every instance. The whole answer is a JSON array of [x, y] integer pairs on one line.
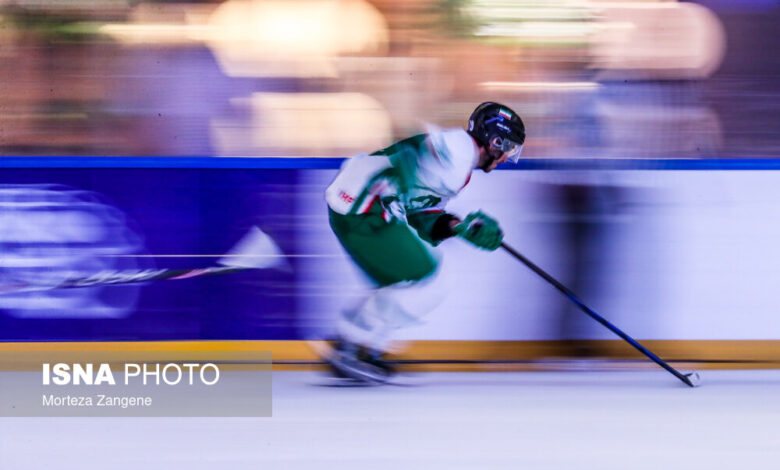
[[255, 250], [691, 379]]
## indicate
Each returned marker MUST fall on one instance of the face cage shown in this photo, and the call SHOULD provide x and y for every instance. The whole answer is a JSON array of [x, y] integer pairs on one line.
[[508, 146]]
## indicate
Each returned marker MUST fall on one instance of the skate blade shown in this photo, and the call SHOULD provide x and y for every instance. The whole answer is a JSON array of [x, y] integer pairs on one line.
[[344, 382], [330, 356]]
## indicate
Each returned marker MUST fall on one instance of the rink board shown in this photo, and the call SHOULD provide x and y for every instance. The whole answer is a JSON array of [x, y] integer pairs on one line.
[[687, 256]]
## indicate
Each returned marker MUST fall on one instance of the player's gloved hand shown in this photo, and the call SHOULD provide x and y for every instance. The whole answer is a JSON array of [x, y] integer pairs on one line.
[[481, 230]]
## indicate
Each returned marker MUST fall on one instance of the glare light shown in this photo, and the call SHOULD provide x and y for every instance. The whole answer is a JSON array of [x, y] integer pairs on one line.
[[556, 86], [262, 38], [154, 33]]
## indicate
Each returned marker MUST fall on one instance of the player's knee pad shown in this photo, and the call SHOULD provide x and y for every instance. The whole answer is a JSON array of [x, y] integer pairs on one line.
[[405, 303], [392, 307]]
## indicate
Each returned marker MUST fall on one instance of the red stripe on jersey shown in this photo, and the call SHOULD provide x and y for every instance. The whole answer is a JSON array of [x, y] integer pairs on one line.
[[464, 184], [376, 198]]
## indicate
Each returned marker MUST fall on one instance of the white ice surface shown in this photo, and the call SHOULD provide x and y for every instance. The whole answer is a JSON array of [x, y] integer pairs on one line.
[[530, 420]]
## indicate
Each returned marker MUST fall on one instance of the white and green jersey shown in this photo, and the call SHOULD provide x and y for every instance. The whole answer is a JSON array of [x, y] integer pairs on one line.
[[415, 175]]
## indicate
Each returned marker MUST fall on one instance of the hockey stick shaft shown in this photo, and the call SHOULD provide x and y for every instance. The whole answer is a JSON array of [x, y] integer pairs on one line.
[[107, 278], [579, 303]]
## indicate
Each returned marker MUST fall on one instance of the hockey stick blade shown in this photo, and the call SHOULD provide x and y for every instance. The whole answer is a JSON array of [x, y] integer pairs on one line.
[[693, 379], [255, 250]]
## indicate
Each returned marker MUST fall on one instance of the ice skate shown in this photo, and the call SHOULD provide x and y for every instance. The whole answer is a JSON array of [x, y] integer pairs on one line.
[[351, 362]]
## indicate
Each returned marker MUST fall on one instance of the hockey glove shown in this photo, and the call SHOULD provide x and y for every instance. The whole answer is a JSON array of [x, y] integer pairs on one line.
[[481, 230]]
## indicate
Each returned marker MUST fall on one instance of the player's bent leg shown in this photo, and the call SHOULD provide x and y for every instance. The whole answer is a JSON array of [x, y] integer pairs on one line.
[[409, 285], [392, 307]]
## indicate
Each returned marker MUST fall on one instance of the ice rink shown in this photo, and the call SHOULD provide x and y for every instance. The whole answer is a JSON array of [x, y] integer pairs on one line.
[[519, 420]]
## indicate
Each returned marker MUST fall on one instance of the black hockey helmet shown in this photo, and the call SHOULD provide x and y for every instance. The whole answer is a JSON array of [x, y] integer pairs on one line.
[[497, 126]]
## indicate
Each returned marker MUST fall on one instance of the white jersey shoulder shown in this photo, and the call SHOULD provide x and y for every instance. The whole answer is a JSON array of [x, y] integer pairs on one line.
[[353, 179], [454, 154], [439, 167]]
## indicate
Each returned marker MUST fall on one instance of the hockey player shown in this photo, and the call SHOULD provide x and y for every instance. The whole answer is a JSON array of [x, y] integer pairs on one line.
[[388, 207]]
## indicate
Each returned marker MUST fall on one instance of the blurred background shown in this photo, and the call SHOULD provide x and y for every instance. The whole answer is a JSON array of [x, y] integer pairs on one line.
[[685, 261], [323, 78], [330, 78]]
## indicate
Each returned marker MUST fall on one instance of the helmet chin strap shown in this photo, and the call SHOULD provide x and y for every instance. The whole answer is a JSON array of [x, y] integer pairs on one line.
[[489, 160], [487, 163]]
